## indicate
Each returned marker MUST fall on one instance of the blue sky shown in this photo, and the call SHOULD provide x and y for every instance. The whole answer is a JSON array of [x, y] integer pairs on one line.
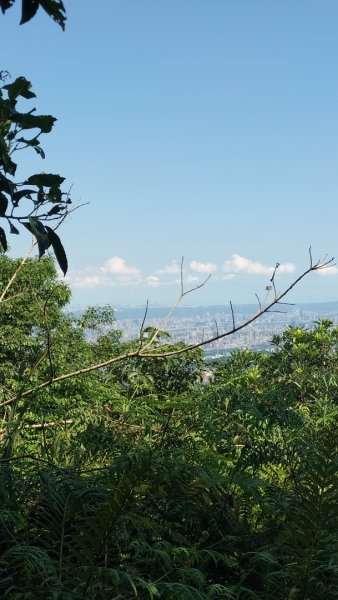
[[203, 129]]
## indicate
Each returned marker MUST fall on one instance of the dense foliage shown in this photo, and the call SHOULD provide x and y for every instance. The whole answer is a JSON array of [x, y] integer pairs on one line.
[[140, 480]]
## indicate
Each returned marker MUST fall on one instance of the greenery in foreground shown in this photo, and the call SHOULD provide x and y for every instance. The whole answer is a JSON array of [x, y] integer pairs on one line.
[[140, 481]]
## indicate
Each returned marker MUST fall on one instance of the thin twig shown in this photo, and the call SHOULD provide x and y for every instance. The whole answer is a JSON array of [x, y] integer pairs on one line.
[[14, 276], [142, 324], [161, 326], [233, 316], [182, 282], [273, 279], [259, 302]]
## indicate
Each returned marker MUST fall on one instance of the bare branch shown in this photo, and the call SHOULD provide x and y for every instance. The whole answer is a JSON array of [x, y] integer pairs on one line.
[[174, 307], [197, 287], [216, 326], [142, 324], [259, 303], [233, 316], [310, 254], [48, 425], [182, 282], [273, 279], [14, 276]]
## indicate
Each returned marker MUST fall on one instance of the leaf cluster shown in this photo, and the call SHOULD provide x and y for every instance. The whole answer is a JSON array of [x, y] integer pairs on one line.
[[54, 8], [38, 201]]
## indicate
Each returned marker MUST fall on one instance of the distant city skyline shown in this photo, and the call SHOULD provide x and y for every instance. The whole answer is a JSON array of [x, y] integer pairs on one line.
[[194, 128], [195, 324]]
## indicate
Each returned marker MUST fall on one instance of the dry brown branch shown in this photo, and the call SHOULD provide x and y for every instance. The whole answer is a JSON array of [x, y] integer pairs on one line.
[[14, 276], [48, 425], [143, 323]]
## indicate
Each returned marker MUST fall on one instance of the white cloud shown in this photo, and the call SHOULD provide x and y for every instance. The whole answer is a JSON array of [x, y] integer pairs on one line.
[[153, 281], [118, 266], [228, 276], [192, 279], [332, 270], [240, 264], [86, 281], [203, 267], [171, 269]]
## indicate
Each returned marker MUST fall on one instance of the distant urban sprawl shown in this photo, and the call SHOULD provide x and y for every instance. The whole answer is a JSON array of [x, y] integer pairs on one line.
[[192, 324]]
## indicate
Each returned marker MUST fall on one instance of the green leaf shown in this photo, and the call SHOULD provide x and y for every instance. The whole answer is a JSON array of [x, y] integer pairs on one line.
[[58, 249], [3, 240], [3, 204], [45, 180]]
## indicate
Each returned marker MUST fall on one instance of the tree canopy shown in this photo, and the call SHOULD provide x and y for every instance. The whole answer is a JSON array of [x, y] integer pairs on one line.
[[141, 479]]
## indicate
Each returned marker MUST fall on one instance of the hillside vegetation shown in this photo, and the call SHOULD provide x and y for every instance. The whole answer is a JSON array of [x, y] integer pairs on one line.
[[138, 480]]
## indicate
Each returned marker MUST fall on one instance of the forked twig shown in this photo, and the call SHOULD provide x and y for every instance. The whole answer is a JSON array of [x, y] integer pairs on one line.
[[142, 324]]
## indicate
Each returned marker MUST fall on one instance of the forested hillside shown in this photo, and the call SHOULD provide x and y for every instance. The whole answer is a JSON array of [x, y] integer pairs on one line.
[[139, 480]]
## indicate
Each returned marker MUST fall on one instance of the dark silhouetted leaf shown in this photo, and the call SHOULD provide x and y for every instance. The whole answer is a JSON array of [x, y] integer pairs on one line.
[[32, 142], [55, 210], [13, 229], [45, 180], [29, 9], [6, 185], [40, 234], [3, 240], [29, 121], [27, 225], [58, 250], [55, 194], [56, 10], [20, 87], [39, 151], [5, 4], [3, 204], [22, 194]]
